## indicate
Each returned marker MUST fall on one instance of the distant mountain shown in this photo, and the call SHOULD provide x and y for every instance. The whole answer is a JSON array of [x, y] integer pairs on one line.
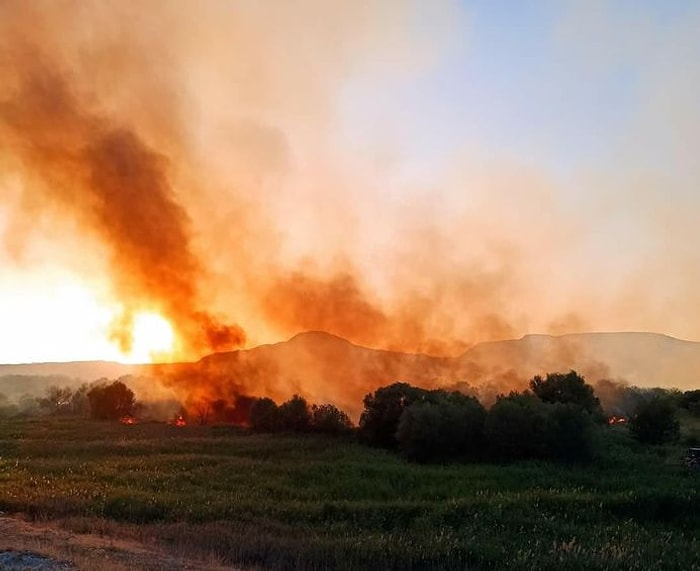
[[326, 368], [34, 378], [318, 365], [87, 370], [642, 359]]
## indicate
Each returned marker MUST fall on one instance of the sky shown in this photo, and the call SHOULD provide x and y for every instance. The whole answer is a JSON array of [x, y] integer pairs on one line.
[[212, 175]]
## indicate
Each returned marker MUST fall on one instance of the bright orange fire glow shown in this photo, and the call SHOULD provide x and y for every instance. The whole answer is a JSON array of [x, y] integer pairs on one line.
[[152, 338], [617, 420], [179, 421], [127, 420]]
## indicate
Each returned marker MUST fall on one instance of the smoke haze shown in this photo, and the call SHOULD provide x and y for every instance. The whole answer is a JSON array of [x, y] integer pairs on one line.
[[223, 164]]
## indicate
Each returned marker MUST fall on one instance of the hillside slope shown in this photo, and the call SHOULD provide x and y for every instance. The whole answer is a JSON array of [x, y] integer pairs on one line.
[[326, 368]]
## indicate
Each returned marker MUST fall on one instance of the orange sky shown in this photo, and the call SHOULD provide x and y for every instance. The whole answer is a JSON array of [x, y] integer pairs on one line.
[[407, 176]]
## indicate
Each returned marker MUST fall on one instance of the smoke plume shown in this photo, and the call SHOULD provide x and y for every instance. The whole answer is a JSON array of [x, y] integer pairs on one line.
[[108, 177], [239, 168]]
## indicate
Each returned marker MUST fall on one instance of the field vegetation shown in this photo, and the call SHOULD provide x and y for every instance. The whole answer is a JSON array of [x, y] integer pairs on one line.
[[290, 501]]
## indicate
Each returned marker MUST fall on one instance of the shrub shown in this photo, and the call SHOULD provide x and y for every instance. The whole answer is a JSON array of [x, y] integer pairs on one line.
[[383, 408], [655, 422], [111, 402], [443, 428], [56, 400], [515, 427], [79, 403], [521, 426], [328, 419], [567, 388], [690, 400], [264, 415], [294, 415], [570, 433]]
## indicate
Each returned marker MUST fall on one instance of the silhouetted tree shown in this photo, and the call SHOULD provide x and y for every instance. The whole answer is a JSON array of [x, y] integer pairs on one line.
[[111, 402], [448, 426], [79, 403], [570, 433], [295, 415], [655, 422], [567, 388], [516, 426], [690, 401], [221, 411], [56, 400], [264, 415], [383, 408], [202, 410], [241, 410], [521, 426], [329, 419]]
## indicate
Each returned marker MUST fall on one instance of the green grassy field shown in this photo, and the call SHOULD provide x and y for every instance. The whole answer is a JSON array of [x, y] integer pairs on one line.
[[291, 502]]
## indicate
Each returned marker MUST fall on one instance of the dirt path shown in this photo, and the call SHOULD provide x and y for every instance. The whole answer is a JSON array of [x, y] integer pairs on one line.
[[46, 547]]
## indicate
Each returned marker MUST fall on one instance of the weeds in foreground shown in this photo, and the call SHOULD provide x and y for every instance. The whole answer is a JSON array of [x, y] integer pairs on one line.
[[283, 502]]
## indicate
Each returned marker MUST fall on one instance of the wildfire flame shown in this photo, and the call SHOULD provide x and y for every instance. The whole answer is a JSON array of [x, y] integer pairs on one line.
[[617, 420], [180, 421], [127, 420], [151, 338]]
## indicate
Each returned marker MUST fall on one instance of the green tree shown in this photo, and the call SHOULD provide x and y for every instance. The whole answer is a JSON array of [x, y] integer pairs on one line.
[[570, 433], [690, 401], [521, 426], [295, 415], [567, 388], [383, 408], [654, 421], [516, 427], [329, 419], [264, 415], [111, 402], [446, 427]]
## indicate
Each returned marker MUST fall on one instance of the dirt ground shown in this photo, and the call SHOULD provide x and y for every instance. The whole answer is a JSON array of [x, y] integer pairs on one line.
[[26, 545]]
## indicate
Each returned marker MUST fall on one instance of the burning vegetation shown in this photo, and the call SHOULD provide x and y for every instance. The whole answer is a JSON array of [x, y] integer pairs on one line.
[[558, 418]]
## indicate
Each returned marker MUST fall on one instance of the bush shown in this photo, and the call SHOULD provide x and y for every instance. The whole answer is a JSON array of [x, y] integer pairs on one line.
[[328, 419], [264, 415], [295, 415], [690, 400], [515, 427], [56, 400], [383, 408], [655, 422], [111, 402], [444, 428], [570, 433], [567, 388], [79, 403]]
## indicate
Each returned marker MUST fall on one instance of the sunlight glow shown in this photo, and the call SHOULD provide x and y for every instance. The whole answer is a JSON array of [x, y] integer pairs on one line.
[[153, 338]]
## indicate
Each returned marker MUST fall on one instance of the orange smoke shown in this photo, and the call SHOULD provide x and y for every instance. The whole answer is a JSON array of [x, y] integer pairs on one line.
[[107, 177], [198, 150]]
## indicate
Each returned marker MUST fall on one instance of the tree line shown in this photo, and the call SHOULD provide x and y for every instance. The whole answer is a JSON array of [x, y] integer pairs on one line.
[[558, 417], [102, 399]]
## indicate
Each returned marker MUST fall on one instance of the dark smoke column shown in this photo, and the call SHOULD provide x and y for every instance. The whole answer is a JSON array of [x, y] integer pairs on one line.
[[107, 178]]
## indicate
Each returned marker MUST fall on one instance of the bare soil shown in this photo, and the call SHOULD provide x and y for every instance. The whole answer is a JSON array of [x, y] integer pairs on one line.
[[44, 546]]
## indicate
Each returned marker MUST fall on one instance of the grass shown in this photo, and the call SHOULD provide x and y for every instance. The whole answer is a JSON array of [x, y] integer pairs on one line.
[[290, 502]]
